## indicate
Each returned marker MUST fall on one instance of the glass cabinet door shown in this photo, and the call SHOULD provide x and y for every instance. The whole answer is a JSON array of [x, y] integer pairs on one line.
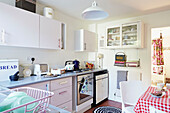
[[113, 37], [130, 35]]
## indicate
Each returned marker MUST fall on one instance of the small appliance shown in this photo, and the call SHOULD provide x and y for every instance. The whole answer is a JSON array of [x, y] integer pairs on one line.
[[29, 5], [69, 66], [76, 65], [42, 69]]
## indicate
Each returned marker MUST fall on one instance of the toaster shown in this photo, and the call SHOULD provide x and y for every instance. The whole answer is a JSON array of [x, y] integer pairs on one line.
[[42, 69]]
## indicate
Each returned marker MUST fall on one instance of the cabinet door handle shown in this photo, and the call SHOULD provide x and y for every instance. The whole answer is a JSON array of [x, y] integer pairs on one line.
[[3, 36], [59, 43], [85, 46], [47, 87], [65, 82], [62, 92]]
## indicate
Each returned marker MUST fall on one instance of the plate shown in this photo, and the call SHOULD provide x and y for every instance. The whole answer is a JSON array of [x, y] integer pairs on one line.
[[163, 93]]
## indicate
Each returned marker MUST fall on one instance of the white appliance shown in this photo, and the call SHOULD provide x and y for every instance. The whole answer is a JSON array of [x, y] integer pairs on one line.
[[101, 88], [48, 12], [8, 67], [41, 69]]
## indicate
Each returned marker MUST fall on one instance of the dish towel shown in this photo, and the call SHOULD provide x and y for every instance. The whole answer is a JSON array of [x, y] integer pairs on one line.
[[121, 76], [84, 88]]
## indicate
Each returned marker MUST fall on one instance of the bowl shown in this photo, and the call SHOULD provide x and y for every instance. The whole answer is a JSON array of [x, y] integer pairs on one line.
[[13, 78], [89, 64]]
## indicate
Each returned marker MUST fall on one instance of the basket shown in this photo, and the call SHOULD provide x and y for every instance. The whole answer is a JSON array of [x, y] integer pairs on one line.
[[42, 98]]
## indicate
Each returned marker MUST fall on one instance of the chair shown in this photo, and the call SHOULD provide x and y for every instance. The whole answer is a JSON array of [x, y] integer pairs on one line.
[[130, 92], [154, 110]]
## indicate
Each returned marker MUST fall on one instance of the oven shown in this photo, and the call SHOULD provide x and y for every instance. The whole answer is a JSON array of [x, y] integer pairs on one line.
[[84, 88]]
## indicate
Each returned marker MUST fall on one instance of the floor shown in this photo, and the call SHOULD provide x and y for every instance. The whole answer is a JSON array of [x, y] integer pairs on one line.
[[106, 103]]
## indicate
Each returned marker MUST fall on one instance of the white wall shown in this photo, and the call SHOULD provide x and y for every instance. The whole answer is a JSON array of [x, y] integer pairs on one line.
[[151, 21], [52, 57]]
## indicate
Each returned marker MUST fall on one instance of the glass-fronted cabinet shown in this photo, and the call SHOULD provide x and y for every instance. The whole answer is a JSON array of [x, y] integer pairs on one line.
[[113, 37], [125, 36]]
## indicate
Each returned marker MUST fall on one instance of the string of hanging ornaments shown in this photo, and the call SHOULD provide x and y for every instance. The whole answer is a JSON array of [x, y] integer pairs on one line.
[[94, 13]]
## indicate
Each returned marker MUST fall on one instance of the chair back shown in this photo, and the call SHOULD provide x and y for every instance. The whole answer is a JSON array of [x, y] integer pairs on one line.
[[131, 91]]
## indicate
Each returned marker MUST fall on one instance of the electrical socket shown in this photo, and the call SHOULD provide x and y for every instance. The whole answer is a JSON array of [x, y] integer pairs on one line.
[[29, 58]]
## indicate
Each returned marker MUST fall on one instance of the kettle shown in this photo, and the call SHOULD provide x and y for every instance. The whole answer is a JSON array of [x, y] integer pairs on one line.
[[69, 66], [76, 65]]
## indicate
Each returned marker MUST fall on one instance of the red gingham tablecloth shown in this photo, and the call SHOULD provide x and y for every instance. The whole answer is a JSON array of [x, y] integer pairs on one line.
[[147, 100]]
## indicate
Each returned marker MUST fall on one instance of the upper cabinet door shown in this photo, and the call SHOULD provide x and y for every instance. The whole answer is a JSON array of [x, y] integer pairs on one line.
[[50, 33], [90, 41], [85, 41], [21, 28]]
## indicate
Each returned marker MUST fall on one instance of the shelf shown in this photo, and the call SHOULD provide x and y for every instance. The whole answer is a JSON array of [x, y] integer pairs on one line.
[[130, 40], [126, 32], [157, 75], [113, 33]]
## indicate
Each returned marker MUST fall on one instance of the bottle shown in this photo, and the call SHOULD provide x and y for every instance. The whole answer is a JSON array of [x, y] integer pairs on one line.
[[164, 88], [161, 36]]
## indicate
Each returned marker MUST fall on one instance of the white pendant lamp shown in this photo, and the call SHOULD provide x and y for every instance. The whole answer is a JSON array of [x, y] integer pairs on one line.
[[94, 13]]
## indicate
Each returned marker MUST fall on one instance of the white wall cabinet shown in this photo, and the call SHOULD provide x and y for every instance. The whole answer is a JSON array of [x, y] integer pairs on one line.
[[85, 41], [128, 35], [26, 29], [50, 33], [21, 27]]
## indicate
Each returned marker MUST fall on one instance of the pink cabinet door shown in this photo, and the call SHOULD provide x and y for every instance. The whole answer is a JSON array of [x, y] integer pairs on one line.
[[62, 96], [66, 106], [42, 85], [61, 83]]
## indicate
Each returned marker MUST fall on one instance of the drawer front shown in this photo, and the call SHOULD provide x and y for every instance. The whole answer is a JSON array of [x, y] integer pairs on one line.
[[61, 83], [101, 76], [61, 96], [66, 106], [42, 85]]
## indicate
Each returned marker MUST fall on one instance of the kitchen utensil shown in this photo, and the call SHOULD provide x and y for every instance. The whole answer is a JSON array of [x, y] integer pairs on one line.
[[14, 77], [76, 65], [69, 66]]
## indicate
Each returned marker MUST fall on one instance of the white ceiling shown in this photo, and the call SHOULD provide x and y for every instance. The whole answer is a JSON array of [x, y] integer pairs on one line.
[[116, 8]]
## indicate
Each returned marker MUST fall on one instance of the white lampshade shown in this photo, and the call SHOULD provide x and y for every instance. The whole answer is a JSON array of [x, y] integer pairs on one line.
[[100, 56], [94, 13]]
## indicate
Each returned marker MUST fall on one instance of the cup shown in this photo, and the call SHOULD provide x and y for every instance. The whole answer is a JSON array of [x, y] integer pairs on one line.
[[160, 86]]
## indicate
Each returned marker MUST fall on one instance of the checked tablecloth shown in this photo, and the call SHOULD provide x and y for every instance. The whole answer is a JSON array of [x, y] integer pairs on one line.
[[147, 100]]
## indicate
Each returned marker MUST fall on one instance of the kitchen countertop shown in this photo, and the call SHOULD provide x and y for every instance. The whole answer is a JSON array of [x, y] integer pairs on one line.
[[35, 79]]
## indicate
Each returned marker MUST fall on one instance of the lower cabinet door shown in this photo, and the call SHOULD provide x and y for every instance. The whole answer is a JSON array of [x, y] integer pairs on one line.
[[105, 88], [99, 91], [66, 106], [61, 96]]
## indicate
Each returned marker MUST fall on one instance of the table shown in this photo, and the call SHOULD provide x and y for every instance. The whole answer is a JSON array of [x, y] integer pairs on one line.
[[147, 100]]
